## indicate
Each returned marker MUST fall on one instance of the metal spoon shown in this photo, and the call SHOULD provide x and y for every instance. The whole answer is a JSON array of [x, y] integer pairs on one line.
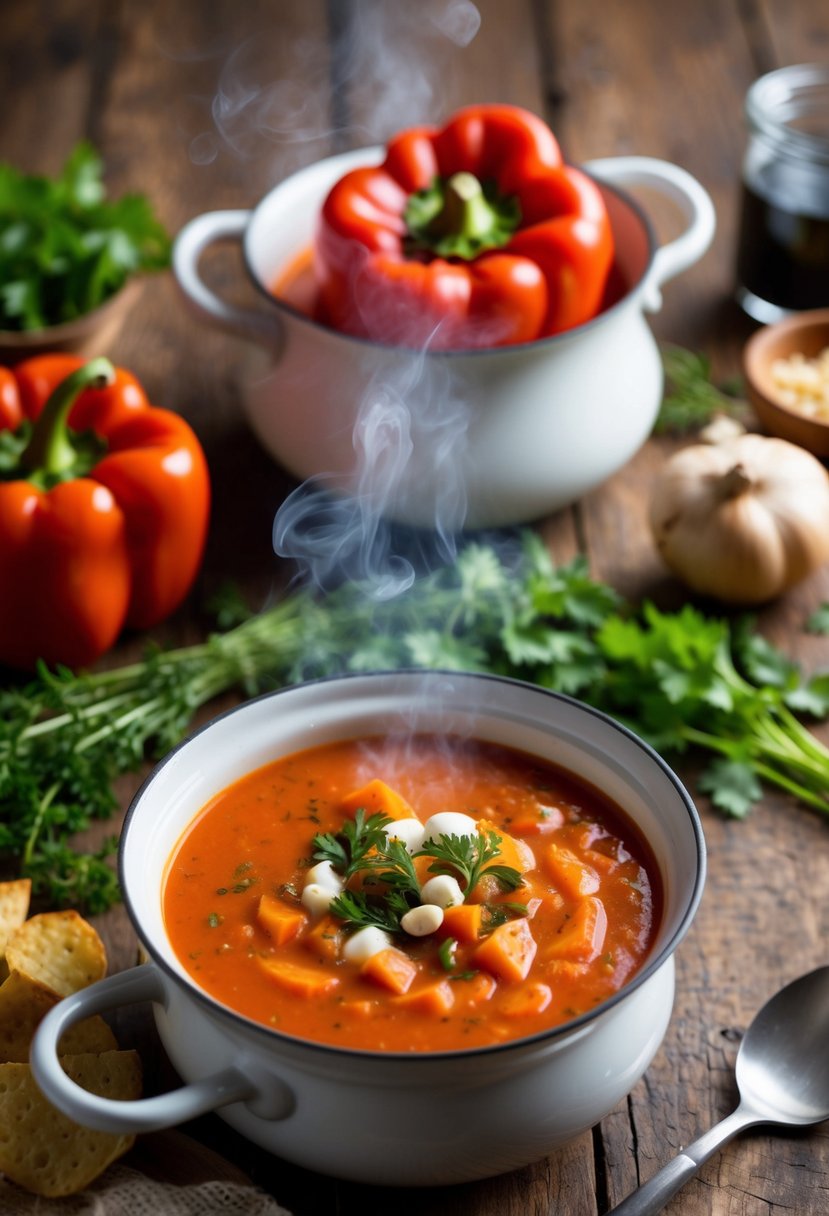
[[782, 1077]]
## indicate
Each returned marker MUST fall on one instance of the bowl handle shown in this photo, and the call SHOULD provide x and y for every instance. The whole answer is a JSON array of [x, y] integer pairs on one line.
[[143, 983], [693, 201], [188, 247]]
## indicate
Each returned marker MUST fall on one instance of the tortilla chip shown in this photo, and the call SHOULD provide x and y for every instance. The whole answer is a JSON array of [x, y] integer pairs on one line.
[[60, 949], [42, 1149], [23, 1004], [14, 907]]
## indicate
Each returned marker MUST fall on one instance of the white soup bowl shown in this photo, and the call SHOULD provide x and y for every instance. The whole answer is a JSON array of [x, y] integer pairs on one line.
[[388, 1117]]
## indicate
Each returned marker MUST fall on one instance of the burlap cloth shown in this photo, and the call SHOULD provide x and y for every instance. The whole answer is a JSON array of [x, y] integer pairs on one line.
[[124, 1190]]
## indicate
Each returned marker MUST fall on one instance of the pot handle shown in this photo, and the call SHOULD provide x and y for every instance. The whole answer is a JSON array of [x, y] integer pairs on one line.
[[143, 983], [692, 199], [190, 243]]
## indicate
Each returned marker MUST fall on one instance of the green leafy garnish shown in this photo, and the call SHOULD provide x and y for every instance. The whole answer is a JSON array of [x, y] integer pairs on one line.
[[64, 248], [348, 848], [691, 398], [357, 911], [469, 858], [390, 883], [393, 867]]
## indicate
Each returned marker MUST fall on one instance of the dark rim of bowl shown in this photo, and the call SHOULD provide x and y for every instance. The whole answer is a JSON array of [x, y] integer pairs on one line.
[[622, 195], [269, 1034]]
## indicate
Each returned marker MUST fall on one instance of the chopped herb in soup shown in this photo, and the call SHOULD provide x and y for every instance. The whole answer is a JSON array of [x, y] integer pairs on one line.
[[418, 894]]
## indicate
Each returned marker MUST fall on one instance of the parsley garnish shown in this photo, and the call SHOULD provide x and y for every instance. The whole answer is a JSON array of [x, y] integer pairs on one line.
[[469, 858], [348, 848], [692, 399], [358, 911]]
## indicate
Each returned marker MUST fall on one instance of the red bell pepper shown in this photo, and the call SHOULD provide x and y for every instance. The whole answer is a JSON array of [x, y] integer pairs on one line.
[[473, 235], [104, 503]]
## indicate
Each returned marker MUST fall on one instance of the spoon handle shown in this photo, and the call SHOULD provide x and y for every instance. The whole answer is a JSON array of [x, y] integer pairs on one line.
[[654, 1194]]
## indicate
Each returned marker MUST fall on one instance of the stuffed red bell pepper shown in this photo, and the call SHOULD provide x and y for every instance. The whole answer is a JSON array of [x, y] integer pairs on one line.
[[104, 503], [473, 235]]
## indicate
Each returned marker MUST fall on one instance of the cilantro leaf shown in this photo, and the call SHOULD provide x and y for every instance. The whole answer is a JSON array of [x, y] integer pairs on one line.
[[357, 911], [811, 697], [732, 786]]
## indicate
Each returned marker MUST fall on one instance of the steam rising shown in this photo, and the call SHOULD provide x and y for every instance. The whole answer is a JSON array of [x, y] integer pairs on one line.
[[388, 65], [332, 536], [394, 61], [390, 58]]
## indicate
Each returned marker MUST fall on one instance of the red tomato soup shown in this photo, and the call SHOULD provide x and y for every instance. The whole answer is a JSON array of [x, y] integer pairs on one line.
[[418, 894]]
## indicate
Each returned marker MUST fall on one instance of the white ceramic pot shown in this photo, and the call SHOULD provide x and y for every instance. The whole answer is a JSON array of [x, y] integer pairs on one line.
[[454, 440], [407, 1119]]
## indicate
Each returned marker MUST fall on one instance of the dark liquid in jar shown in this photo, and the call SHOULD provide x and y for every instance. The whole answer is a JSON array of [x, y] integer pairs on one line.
[[783, 250]]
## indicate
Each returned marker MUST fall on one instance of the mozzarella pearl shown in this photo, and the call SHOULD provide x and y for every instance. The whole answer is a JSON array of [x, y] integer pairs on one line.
[[365, 943], [316, 898], [324, 875], [420, 922], [443, 890], [449, 823], [410, 831]]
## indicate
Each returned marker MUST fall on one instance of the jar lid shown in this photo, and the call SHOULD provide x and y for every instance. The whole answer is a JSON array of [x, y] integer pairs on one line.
[[791, 107]]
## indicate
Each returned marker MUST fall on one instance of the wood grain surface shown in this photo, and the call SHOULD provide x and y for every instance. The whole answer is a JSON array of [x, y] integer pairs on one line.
[[206, 105]]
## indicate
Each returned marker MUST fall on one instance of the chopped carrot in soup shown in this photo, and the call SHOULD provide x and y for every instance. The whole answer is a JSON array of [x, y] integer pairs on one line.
[[400, 894]]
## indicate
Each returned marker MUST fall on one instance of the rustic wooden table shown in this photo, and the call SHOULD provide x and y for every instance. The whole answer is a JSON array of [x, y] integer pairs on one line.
[[205, 105]]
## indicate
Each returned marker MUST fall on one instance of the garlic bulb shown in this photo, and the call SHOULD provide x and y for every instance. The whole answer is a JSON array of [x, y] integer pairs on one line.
[[743, 520]]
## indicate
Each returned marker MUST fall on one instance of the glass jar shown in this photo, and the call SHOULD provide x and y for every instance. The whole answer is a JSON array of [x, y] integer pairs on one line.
[[783, 244]]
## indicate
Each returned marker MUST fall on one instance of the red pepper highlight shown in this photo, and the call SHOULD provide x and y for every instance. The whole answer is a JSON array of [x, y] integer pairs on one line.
[[104, 506], [470, 236]]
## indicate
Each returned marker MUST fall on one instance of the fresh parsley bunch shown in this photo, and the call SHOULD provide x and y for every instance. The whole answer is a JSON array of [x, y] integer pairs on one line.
[[64, 248]]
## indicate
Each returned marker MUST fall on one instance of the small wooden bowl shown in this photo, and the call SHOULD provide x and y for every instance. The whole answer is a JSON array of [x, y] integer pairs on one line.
[[91, 334], [807, 334]]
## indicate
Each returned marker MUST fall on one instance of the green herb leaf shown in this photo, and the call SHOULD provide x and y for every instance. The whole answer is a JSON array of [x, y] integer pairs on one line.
[[64, 249], [692, 399], [357, 911], [347, 849], [469, 858], [732, 786]]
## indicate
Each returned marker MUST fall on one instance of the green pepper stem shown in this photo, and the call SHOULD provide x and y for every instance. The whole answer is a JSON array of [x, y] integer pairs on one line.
[[50, 450], [465, 210]]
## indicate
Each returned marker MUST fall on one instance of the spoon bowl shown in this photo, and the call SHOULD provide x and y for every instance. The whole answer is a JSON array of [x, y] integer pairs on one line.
[[783, 1062], [782, 1076]]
